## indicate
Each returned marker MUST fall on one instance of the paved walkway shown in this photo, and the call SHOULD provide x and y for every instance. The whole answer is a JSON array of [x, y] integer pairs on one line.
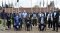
[[34, 30]]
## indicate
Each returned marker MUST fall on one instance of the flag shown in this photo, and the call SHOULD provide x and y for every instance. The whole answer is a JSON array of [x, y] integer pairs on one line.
[[40, 6]]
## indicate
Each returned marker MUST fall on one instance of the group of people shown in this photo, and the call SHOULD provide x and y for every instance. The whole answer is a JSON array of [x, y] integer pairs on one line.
[[41, 19]]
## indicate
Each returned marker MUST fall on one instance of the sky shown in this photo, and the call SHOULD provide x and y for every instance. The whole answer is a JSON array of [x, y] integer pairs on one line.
[[30, 3]]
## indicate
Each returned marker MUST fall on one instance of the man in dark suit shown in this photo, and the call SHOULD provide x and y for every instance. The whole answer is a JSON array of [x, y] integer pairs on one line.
[[20, 19], [28, 23], [45, 15], [49, 20], [42, 22], [39, 20], [55, 20], [8, 21]]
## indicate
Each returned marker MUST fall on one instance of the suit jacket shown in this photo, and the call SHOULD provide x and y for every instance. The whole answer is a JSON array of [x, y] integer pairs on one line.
[[56, 17], [45, 15]]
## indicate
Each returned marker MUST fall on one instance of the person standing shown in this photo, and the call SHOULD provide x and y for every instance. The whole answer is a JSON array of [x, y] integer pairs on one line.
[[42, 22], [28, 23], [24, 16], [49, 20], [16, 22], [45, 15], [20, 19], [8, 21], [3, 17], [55, 20], [39, 20], [34, 19]]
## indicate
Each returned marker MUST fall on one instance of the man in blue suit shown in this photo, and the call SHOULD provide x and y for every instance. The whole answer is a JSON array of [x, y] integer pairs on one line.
[[39, 20], [20, 19], [16, 22]]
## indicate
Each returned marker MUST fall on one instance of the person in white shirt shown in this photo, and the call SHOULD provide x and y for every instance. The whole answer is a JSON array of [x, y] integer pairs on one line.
[[24, 16]]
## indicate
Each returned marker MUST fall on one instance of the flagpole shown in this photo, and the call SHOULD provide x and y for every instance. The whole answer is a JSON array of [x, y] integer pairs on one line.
[[18, 7], [12, 7], [8, 7], [31, 6], [43, 6], [5, 5], [40, 6], [43, 3], [56, 3], [47, 5], [2, 4], [53, 6]]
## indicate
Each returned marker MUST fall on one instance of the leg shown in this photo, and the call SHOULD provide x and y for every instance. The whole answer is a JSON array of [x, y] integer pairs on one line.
[[48, 24], [53, 26], [56, 26]]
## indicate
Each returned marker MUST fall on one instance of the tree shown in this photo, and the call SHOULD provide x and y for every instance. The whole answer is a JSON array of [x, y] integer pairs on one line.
[[36, 6], [51, 3], [17, 0], [6, 6], [10, 5], [0, 7]]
